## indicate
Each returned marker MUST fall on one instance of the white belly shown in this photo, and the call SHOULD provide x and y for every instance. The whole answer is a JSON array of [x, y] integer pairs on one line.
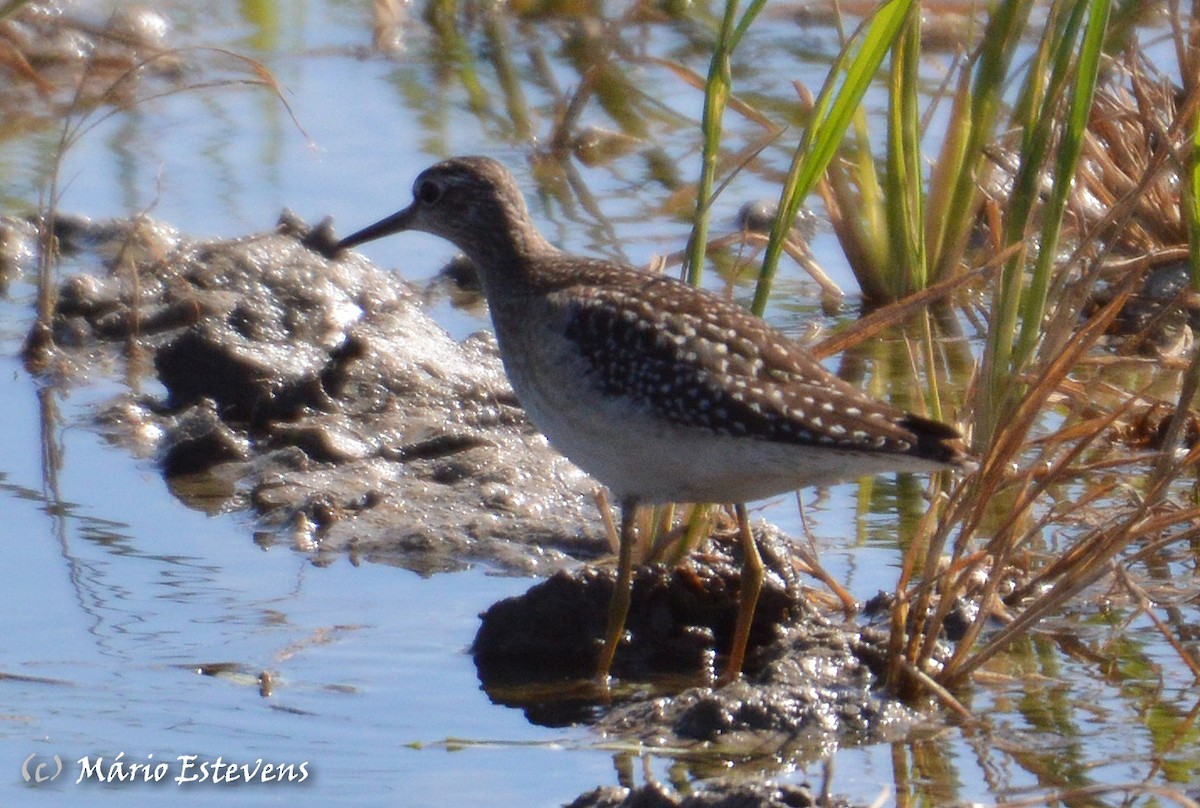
[[635, 454]]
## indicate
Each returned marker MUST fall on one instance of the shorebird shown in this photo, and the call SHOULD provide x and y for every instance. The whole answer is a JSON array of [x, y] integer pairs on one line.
[[663, 392]]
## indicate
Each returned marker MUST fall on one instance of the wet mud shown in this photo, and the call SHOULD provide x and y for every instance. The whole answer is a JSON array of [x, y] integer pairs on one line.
[[739, 795], [320, 395]]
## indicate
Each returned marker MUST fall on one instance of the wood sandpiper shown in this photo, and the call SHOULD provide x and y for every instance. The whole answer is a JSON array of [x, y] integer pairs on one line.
[[661, 391]]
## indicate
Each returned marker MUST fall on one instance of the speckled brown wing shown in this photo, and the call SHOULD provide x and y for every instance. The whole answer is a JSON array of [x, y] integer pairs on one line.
[[700, 361]]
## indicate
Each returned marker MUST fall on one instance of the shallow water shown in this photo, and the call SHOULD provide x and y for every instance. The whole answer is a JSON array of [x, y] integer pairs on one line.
[[115, 594]]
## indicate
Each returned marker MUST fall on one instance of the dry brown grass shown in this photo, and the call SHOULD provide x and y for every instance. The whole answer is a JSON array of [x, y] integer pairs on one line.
[[984, 540]]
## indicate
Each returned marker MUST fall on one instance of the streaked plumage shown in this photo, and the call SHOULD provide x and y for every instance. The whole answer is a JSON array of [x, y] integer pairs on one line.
[[663, 392]]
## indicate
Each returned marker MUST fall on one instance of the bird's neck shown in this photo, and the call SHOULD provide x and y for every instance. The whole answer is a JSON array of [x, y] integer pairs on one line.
[[506, 260]]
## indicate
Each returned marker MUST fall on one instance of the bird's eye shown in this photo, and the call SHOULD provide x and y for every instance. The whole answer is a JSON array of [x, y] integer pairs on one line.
[[428, 192]]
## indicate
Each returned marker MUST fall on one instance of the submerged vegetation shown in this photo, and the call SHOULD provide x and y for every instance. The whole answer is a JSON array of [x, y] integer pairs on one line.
[[1009, 213]]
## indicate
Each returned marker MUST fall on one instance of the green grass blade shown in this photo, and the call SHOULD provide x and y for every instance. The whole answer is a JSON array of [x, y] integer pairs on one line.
[[717, 90], [716, 97], [1087, 70], [10, 7], [832, 113], [744, 23], [1035, 115], [963, 154], [904, 266]]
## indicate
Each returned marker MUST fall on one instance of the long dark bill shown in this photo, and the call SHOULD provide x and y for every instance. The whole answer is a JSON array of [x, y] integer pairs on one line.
[[384, 227]]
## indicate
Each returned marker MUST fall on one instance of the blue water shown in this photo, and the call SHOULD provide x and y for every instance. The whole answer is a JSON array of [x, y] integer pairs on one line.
[[115, 594], [113, 604]]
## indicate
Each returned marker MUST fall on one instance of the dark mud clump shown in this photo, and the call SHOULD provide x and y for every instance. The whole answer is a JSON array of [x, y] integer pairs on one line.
[[719, 795], [678, 615], [539, 651], [1159, 317], [808, 683]]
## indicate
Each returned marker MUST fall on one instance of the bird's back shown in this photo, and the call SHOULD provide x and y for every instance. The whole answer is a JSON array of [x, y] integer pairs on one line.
[[658, 367]]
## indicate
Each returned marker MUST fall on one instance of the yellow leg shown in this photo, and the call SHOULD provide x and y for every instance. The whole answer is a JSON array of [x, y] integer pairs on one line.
[[618, 605], [610, 530], [752, 581]]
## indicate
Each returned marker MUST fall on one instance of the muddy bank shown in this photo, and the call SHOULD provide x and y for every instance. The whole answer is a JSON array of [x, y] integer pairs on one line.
[[320, 395]]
